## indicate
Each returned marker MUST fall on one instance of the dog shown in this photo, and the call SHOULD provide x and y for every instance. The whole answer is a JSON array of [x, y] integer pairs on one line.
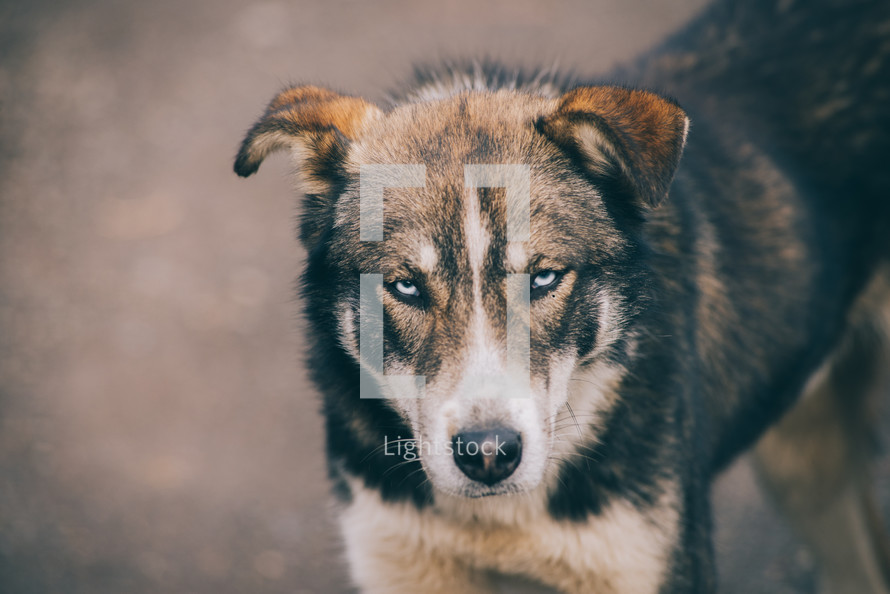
[[544, 314]]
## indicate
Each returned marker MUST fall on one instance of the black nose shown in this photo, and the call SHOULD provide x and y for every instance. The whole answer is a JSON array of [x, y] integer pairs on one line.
[[489, 455]]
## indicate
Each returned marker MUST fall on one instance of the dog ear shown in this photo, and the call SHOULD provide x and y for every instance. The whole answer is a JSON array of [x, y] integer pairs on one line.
[[315, 123], [640, 133]]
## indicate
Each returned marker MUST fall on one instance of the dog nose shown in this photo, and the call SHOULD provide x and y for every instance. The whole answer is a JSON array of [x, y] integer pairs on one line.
[[489, 455]]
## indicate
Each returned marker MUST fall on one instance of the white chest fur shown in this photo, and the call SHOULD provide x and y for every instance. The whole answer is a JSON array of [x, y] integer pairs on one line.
[[455, 546]]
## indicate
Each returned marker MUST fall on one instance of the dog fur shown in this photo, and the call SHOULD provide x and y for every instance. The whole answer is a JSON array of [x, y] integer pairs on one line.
[[693, 305]]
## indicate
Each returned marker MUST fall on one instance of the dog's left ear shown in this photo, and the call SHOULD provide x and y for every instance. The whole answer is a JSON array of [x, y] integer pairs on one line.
[[315, 123], [640, 133]]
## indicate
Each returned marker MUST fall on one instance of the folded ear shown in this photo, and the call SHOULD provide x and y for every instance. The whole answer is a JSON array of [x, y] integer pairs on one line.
[[640, 133], [317, 124]]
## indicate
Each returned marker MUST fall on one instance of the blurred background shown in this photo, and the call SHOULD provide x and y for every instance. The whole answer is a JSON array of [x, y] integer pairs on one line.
[[157, 431]]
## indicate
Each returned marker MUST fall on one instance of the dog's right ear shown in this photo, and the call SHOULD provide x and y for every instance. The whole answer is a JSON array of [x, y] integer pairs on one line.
[[315, 123], [639, 133]]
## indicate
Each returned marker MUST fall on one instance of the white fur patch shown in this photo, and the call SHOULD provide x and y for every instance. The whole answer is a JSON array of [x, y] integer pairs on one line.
[[427, 257], [397, 548], [598, 150], [591, 394], [517, 256], [346, 322], [611, 321]]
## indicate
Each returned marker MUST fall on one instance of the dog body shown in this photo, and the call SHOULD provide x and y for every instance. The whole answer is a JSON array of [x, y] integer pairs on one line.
[[665, 334]]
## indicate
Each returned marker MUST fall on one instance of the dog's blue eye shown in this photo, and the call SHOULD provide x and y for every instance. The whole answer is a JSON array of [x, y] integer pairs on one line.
[[544, 279], [407, 288]]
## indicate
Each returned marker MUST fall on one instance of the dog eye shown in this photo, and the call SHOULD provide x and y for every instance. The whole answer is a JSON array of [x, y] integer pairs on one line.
[[407, 288], [544, 279]]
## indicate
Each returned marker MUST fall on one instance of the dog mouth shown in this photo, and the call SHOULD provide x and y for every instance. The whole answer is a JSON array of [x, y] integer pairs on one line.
[[474, 492], [480, 491]]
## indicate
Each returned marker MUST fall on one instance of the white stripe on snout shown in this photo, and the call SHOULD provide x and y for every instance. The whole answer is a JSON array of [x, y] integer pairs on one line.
[[483, 356], [476, 235]]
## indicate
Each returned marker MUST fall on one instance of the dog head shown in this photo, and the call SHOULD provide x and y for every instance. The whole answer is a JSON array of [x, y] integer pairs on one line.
[[483, 257]]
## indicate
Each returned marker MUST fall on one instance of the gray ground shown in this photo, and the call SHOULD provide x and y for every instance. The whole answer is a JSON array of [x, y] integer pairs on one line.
[[157, 431]]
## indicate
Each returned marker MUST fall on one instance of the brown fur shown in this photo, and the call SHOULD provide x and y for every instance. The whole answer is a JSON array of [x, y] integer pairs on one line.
[[303, 115], [646, 131]]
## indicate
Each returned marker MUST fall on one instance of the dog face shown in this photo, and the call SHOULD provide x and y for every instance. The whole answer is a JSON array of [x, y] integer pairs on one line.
[[589, 165]]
